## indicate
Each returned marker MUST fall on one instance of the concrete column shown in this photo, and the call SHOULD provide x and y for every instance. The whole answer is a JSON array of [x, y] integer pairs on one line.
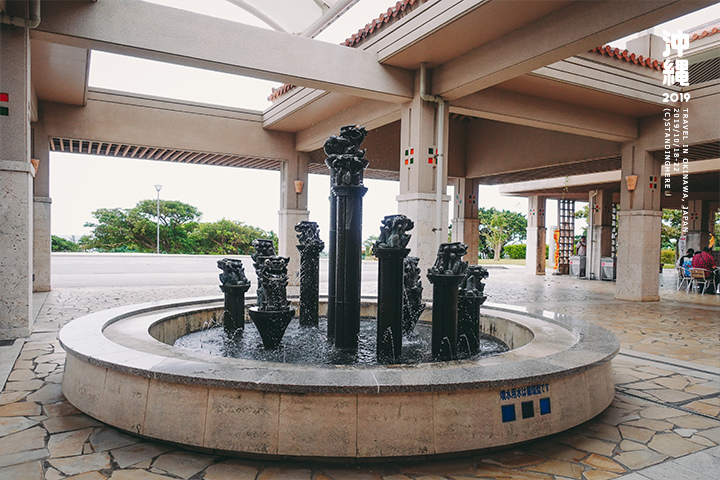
[[601, 205], [535, 250], [639, 219], [465, 222], [418, 187], [699, 224], [42, 238], [293, 210], [16, 212]]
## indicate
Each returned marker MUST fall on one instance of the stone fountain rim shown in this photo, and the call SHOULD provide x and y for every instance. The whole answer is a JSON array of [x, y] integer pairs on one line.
[[586, 346]]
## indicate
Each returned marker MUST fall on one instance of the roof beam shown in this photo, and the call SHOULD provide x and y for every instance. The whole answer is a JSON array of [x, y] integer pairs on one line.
[[588, 72], [132, 120], [155, 32], [577, 28], [521, 109]]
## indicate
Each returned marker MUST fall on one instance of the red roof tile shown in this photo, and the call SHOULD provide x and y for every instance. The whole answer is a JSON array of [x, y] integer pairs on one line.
[[400, 9], [704, 30], [628, 57]]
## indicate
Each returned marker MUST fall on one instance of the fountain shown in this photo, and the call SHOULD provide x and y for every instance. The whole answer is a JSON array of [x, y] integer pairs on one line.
[[122, 368]]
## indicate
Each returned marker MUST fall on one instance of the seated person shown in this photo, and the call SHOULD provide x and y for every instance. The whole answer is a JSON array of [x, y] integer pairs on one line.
[[706, 261], [685, 261]]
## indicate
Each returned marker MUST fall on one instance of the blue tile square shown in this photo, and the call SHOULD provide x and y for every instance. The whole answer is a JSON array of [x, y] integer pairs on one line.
[[544, 406], [508, 413]]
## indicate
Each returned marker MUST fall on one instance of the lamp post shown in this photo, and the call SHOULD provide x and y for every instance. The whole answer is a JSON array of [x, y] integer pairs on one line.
[[157, 241]]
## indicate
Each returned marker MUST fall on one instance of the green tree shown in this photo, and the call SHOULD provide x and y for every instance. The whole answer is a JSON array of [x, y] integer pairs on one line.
[[368, 244], [670, 228], [227, 237], [118, 229], [60, 244], [498, 228]]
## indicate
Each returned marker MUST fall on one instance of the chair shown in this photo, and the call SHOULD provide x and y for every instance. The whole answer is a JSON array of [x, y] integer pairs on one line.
[[683, 278], [700, 276]]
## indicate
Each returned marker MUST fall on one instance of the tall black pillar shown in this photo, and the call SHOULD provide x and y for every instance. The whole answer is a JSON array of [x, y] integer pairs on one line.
[[347, 163], [348, 265], [310, 248], [332, 243]]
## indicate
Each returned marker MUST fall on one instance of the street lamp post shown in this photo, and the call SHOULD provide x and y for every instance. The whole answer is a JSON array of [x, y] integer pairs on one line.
[[157, 241]]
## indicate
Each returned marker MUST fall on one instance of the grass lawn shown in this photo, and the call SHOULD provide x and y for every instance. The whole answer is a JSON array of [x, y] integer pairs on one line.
[[502, 261]]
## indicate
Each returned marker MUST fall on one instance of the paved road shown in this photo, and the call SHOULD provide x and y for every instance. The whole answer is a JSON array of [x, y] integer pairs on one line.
[[70, 270]]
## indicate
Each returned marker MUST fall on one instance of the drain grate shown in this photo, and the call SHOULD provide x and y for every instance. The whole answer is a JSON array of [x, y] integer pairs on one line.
[[6, 343]]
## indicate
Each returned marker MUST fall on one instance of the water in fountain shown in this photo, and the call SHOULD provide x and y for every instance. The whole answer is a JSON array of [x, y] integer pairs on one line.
[[304, 345]]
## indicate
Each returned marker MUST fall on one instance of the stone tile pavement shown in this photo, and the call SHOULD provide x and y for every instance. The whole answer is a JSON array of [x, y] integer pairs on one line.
[[663, 423]]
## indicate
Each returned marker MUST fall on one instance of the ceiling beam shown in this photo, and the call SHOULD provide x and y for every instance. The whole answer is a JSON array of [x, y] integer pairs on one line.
[[521, 109], [577, 28], [155, 32]]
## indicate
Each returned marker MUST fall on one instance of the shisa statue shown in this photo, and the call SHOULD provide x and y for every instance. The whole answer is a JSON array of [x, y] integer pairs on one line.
[[472, 285], [392, 232], [449, 260], [345, 159]]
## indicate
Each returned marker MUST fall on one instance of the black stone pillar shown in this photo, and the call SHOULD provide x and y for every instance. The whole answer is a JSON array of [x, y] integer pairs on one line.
[[446, 275], [469, 324], [348, 264], [332, 244], [390, 303], [470, 298], [445, 316], [234, 314], [234, 285], [310, 248], [346, 163]]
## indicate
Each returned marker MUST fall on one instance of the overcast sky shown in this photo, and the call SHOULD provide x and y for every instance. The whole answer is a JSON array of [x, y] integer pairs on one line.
[[80, 184]]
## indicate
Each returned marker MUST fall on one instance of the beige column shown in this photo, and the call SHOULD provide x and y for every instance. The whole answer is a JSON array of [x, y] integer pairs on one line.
[[16, 216], [601, 206], [465, 222], [418, 184], [639, 218], [699, 224], [535, 250], [293, 210], [42, 238]]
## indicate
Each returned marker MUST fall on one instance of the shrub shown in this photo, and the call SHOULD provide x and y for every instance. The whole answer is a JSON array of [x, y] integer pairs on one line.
[[667, 256], [516, 251]]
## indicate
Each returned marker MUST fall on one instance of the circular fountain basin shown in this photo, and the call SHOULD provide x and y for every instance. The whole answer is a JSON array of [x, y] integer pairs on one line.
[[122, 370]]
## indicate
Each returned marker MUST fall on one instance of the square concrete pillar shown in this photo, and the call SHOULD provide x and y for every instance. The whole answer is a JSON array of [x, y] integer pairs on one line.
[[639, 219], [600, 242], [465, 222], [418, 179], [293, 210], [42, 237], [16, 206], [535, 248]]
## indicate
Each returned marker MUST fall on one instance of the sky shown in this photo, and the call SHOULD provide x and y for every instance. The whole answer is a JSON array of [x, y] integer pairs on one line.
[[222, 192]]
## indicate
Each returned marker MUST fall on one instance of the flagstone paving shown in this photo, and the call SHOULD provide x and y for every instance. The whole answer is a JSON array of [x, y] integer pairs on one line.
[[665, 417]]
